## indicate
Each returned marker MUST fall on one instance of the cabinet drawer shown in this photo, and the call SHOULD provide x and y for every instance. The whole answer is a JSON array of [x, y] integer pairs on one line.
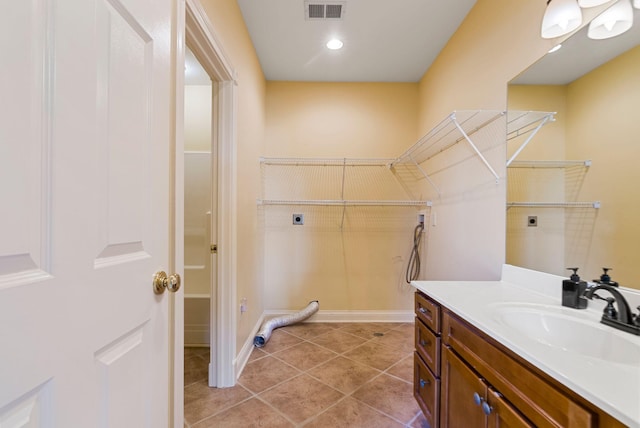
[[428, 347], [538, 400], [426, 390], [428, 312]]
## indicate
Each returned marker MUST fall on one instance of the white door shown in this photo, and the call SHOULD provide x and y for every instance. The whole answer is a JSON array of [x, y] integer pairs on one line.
[[84, 225]]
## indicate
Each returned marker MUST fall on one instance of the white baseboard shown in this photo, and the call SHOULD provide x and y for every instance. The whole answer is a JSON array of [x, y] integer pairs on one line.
[[196, 335], [350, 316], [243, 356], [321, 316]]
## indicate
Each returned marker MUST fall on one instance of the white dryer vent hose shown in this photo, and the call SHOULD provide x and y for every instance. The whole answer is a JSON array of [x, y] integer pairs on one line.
[[268, 326]]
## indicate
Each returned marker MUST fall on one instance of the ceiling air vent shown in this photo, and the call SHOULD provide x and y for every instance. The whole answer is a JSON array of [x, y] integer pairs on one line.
[[323, 10]]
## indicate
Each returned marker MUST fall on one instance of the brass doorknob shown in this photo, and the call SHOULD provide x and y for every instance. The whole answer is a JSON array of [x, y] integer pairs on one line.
[[161, 282]]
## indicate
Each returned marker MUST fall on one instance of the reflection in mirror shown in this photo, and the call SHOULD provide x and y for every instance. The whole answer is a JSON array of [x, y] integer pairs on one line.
[[594, 88]]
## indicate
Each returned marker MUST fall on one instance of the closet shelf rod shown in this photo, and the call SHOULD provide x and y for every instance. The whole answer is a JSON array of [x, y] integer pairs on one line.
[[550, 163], [594, 204], [342, 203], [325, 162]]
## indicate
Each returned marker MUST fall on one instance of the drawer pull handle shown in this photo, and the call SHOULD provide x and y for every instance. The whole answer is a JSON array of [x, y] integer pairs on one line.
[[486, 408], [424, 311], [424, 342], [477, 399], [423, 383]]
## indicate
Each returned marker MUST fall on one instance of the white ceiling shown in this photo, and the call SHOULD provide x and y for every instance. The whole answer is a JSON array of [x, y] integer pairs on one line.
[[384, 40]]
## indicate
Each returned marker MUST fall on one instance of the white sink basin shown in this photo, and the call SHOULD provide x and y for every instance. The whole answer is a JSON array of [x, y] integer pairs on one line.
[[570, 330]]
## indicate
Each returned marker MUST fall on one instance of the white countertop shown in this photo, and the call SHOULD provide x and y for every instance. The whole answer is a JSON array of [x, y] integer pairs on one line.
[[612, 384]]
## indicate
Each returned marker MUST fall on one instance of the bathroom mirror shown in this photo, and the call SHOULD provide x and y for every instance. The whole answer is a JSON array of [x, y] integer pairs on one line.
[[594, 86]]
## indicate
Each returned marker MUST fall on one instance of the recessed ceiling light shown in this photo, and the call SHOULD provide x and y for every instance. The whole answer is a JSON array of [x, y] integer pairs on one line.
[[556, 48], [334, 44]]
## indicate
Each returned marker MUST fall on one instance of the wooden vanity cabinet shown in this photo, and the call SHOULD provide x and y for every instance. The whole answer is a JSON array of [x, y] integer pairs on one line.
[[426, 368], [468, 401], [455, 361]]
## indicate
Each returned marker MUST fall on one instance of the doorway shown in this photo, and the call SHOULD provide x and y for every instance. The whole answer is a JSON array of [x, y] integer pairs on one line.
[[200, 37], [199, 221]]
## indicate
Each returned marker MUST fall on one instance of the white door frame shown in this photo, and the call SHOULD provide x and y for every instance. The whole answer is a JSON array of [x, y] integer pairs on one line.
[[194, 25]]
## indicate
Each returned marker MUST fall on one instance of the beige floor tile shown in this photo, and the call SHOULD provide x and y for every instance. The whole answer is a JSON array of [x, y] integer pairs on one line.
[[403, 369], [196, 368], [350, 413], [249, 414], [305, 355], [420, 422], [392, 396], [353, 375], [308, 330], [256, 353], [280, 340], [397, 339], [343, 374], [201, 401], [192, 351], [367, 330], [265, 373], [338, 341], [376, 355], [301, 398]]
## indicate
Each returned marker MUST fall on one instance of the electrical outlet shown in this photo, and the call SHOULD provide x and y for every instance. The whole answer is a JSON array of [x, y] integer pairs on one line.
[[243, 305], [421, 217], [298, 219], [532, 221]]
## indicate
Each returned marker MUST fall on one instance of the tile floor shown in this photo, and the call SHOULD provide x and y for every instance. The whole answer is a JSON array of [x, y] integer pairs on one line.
[[313, 375]]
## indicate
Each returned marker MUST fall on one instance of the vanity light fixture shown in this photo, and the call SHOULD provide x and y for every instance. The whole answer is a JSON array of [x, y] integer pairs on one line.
[[334, 44], [591, 3], [561, 17], [612, 22]]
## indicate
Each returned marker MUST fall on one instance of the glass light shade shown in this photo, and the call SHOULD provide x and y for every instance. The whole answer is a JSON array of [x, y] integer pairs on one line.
[[636, 4], [612, 22], [591, 3], [561, 17]]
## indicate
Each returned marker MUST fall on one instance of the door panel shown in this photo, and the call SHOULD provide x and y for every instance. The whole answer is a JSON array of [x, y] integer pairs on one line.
[[23, 165], [84, 160], [459, 384]]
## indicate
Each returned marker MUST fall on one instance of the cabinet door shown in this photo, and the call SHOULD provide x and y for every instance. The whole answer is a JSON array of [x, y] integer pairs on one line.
[[459, 384], [502, 414], [426, 390]]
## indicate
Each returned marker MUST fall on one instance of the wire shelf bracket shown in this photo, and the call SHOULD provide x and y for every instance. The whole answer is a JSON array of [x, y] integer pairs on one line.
[[526, 122], [456, 127]]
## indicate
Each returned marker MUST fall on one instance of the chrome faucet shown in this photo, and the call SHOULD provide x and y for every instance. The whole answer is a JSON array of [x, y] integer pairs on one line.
[[623, 319]]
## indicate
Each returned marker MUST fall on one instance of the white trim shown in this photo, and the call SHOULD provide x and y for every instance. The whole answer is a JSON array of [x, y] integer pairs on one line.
[[208, 50], [350, 316], [244, 354], [176, 410]]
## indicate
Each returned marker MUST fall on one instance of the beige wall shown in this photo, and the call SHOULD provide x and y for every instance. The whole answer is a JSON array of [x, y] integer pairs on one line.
[[229, 26], [497, 40], [348, 261], [340, 119], [197, 117]]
